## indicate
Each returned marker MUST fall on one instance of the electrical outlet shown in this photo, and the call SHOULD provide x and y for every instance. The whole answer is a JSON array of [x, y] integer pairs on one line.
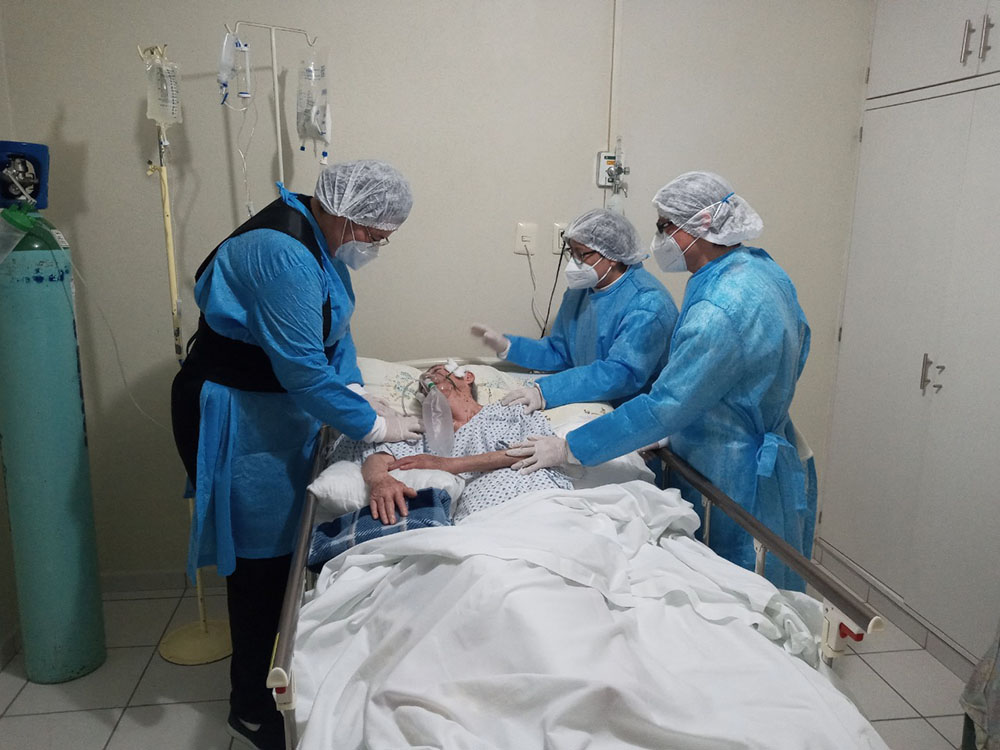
[[557, 237], [526, 238]]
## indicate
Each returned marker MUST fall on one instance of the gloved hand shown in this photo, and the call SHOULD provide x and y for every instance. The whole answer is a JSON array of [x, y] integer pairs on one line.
[[531, 397], [398, 427], [540, 452], [647, 452], [493, 339], [382, 407]]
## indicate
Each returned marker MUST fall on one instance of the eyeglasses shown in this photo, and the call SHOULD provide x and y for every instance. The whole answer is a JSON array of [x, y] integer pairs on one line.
[[661, 226], [577, 256], [372, 239], [377, 241]]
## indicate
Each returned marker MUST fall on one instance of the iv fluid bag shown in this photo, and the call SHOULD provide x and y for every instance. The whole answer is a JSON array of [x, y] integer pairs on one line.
[[234, 69], [312, 106], [163, 98], [439, 429]]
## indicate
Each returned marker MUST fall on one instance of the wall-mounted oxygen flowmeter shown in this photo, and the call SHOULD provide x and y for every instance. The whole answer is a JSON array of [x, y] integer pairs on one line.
[[611, 169]]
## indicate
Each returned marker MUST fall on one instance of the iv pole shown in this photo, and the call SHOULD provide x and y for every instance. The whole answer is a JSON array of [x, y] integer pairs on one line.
[[274, 78], [206, 640]]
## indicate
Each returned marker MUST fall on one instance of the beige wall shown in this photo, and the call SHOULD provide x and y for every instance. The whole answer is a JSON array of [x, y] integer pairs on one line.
[[768, 94], [494, 110]]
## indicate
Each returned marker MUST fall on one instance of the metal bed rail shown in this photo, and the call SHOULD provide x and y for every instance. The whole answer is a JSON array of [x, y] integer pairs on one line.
[[845, 615], [280, 678]]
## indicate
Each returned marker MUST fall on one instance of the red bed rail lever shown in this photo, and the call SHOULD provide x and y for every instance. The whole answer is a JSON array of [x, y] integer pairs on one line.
[[846, 632]]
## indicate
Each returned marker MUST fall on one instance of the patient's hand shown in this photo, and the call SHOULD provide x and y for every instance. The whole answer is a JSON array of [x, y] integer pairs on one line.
[[386, 495], [424, 461]]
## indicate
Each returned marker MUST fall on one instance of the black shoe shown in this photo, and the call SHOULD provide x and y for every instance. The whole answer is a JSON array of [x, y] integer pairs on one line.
[[269, 736]]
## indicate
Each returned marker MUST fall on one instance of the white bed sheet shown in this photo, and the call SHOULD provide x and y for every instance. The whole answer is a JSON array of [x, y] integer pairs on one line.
[[553, 622]]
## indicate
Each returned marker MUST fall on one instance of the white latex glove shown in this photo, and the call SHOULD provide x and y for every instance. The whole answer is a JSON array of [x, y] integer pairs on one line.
[[493, 339], [382, 407], [398, 427], [647, 452], [541, 452], [531, 397]]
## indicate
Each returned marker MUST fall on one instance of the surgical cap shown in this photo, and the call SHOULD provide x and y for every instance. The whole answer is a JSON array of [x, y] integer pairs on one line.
[[368, 192], [733, 219], [609, 233]]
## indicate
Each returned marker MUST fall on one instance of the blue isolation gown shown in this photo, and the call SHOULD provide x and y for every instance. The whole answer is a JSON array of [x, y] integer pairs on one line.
[[737, 351], [254, 451], [606, 344]]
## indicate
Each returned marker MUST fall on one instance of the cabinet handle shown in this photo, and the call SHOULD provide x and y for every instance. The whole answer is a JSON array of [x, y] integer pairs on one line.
[[983, 46], [964, 55], [924, 379]]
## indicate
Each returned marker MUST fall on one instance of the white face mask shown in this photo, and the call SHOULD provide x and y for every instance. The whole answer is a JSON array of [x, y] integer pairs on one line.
[[355, 254], [581, 276], [668, 254]]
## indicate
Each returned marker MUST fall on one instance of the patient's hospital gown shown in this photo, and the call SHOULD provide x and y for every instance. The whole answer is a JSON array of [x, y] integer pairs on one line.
[[495, 427]]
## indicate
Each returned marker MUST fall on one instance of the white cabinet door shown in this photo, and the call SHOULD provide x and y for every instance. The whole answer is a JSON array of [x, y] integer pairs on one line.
[[912, 161], [918, 43], [956, 551], [990, 61]]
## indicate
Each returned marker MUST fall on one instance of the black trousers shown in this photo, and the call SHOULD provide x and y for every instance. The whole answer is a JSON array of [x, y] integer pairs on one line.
[[255, 588]]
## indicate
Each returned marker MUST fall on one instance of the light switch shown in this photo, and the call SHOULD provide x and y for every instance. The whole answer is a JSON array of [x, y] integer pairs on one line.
[[526, 238]]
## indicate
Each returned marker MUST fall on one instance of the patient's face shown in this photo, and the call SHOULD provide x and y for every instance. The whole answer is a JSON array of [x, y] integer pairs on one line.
[[452, 386]]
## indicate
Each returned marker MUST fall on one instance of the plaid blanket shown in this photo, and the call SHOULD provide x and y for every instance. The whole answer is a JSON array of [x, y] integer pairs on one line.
[[431, 507]]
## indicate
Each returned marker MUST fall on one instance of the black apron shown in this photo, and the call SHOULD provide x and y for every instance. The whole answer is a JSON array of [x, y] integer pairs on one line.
[[226, 361]]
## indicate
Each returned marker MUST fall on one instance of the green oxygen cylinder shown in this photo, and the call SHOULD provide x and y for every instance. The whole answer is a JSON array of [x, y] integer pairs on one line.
[[43, 446]]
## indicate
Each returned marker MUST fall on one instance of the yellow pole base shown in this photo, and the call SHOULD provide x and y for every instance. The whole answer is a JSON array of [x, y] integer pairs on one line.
[[193, 644]]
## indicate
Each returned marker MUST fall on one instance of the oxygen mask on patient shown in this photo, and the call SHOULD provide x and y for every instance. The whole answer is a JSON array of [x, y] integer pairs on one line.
[[439, 425]]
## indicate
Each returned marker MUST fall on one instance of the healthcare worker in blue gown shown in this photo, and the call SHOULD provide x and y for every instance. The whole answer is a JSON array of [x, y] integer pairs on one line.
[[738, 349], [272, 361], [612, 333]]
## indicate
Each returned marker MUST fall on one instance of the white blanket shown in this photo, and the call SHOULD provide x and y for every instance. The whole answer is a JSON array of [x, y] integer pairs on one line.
[[555, 622]]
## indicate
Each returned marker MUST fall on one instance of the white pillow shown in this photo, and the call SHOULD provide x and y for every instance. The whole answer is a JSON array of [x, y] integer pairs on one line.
[[394, 382], [616, 471], [397, 383], [340, 488]]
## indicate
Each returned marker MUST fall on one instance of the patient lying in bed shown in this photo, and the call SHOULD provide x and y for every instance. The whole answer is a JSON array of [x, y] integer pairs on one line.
[[482, 434]]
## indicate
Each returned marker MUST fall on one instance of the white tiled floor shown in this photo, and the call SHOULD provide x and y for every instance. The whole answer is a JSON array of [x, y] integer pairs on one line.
[[135, 700], [905, 692], [138, 700]]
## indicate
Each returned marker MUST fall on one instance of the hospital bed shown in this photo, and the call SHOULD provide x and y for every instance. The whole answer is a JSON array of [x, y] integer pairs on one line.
[[668, 601]]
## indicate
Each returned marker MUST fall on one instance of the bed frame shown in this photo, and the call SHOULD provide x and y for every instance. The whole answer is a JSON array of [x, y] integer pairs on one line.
[[844, 614]]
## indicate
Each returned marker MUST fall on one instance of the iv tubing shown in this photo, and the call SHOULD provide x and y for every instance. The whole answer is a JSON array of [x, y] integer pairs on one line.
[[274, 79]]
